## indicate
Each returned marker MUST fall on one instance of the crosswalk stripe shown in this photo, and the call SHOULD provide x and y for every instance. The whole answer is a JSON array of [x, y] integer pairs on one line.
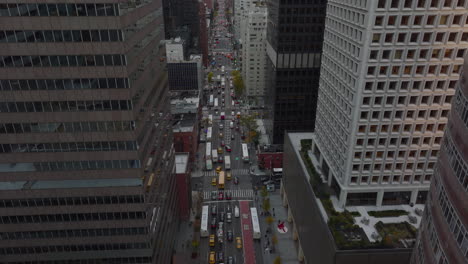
[[243, 193], [234, 172]]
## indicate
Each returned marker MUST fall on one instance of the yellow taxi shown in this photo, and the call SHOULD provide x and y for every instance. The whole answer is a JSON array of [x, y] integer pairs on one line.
[[228, 176], [212, 257], [220, 150], [218, 169], [212, 240], [238, 242], [213, 181]]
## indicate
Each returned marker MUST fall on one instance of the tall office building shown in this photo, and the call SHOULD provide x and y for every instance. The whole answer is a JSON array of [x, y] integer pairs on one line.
[[294, 47], [443, 236], [389, 70], [86, 155], [254, 50]]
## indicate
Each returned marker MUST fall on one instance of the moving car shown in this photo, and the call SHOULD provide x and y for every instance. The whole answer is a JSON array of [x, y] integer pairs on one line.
[[228, 195], [220, 150], [213, 210], [229, 217], [212, 240], [220, 257], [218, 169], [236, 180], [213, 181], [221, 217], [213, 223], [230, 235], [230, 260], [220, 195], [228, 148], [228, 176], [238, 242], [213, 195], [212, 257], [232, 136], [222, 143]]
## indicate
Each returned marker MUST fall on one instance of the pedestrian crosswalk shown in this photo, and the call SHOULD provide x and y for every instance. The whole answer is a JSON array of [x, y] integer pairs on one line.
[[234, 172], [235, 194]]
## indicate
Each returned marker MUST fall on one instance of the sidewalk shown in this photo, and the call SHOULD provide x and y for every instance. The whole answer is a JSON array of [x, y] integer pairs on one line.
[[285, 248]]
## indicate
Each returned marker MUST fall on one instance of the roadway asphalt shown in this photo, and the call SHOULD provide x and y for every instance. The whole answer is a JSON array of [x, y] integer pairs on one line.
[[244, 190]]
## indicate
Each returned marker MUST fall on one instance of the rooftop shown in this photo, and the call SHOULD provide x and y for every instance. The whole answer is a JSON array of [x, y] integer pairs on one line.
[[64, 184], [181, 161], [358, 227]]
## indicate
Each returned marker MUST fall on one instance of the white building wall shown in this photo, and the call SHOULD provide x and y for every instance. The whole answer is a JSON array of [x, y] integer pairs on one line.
[[254, 50], [388, 75]]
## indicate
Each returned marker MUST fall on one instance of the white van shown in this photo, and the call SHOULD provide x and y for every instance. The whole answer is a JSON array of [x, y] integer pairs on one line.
[[231, 125], [236, 211]]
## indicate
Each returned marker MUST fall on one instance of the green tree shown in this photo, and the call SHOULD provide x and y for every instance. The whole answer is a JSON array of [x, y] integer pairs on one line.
[[210, 76], [269, 220], [277, 260], [249, 122], [238, 83], [264, 192], [266, 204]]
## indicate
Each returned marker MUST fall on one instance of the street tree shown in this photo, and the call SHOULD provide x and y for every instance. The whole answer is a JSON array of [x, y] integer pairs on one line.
[[266, 204], [238, 83], [269, 220], [210, 76], [277, 260]]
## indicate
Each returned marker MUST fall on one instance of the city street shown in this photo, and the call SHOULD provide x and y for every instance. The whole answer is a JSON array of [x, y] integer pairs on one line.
[[225, 133]]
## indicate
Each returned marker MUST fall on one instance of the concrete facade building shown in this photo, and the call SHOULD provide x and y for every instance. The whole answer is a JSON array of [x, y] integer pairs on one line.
[[185, 132], [443, 237], [86, 152], [254, 50], [294, 48], [175, 50], [389, 70], [184, 192], [184, 75]]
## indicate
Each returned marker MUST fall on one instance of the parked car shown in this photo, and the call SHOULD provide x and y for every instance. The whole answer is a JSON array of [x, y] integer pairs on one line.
[[230, 260], [229, 217], [213, 195], [228, 196], [220, 257], [236, 180]]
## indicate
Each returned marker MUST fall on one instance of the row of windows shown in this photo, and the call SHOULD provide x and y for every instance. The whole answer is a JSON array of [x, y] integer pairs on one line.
[[71, 201], [63, 61], [64, 84], [405, 86], [458, 165], [70, 146], [59, 9], [67, 127], [461, 106], [425, 69], [65, 106], [391, 21], [412, 54], [457, 228], [437, 251], [60, 36], [71, 165], [420, 3], [71, 248], [52, 218], [73, 233], [117, 260], [418, 100]]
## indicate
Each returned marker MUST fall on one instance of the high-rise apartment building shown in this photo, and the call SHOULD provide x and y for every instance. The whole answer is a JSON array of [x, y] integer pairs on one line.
[[389, 70], [254, 50], [443, 236], [294, 48], [86, 154]]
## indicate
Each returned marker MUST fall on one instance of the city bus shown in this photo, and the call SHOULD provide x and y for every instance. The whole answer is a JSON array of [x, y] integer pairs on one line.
[[245, 152], [221, 180], [214, 155], [255, 224], [209, 133], [208, 151], [209, 164], [204, 222], [216, 103], [211, 101]]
